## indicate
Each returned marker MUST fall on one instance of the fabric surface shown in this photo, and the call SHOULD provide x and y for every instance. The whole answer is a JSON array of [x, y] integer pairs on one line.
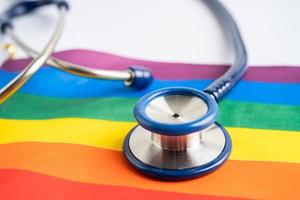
[[61, 135]]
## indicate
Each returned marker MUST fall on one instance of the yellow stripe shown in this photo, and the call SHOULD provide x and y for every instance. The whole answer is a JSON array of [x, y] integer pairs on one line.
[[248, 144]]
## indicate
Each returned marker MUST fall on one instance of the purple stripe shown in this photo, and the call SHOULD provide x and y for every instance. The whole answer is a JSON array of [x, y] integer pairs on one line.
[[165, 70]]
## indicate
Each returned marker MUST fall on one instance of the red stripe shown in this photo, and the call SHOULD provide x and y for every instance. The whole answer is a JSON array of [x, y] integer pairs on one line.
[[17, 184], [263, 180]]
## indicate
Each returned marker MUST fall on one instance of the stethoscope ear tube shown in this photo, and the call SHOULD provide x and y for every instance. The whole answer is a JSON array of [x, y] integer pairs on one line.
[[18, 81], [26, 7], [135, 76]]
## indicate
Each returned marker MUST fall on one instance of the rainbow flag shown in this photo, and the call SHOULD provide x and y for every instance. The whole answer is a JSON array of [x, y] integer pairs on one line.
[[61, 135]]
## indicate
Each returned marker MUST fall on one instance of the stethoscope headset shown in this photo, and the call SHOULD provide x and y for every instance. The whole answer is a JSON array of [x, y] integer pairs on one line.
[[177, 136]]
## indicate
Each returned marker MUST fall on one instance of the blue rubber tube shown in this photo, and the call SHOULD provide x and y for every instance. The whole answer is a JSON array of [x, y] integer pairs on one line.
[[223, 84]]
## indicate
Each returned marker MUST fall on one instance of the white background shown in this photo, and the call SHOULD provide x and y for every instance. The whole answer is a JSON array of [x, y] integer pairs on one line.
[[171, 30]]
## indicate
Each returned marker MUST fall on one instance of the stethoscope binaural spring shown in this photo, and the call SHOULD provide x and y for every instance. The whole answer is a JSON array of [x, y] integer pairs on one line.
[[177, 136]]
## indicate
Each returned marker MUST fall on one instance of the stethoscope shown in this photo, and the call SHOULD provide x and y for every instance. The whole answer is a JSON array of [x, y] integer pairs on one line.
[[177, 136]]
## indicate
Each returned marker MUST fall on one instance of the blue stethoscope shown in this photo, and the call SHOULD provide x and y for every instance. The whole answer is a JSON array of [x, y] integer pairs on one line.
[[177, 136]]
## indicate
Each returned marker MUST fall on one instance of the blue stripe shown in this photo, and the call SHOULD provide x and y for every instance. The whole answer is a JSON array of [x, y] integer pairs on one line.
[[55, 83]]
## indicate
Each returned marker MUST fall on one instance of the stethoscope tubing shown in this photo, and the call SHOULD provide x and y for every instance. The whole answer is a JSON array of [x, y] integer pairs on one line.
[[17, 82], [135, 76], [139, 78], [224, 83], [72, 68]]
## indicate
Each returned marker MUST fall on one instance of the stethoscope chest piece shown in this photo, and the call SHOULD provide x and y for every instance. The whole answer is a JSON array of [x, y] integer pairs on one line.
[[177, 136]]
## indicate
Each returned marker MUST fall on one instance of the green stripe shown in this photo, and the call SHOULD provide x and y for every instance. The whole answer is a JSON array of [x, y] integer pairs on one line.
[[232, 113]]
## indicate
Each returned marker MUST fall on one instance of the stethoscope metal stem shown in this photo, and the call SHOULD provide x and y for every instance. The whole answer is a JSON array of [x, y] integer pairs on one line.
[[17, 82], [176, 143], [125, 75]]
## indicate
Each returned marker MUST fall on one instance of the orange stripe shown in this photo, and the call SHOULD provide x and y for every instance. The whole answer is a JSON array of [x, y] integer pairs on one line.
[[49, 188], [93, 165]]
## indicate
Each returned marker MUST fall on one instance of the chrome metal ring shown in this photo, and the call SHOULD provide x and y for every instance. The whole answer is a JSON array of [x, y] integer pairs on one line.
[[145, 153]]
